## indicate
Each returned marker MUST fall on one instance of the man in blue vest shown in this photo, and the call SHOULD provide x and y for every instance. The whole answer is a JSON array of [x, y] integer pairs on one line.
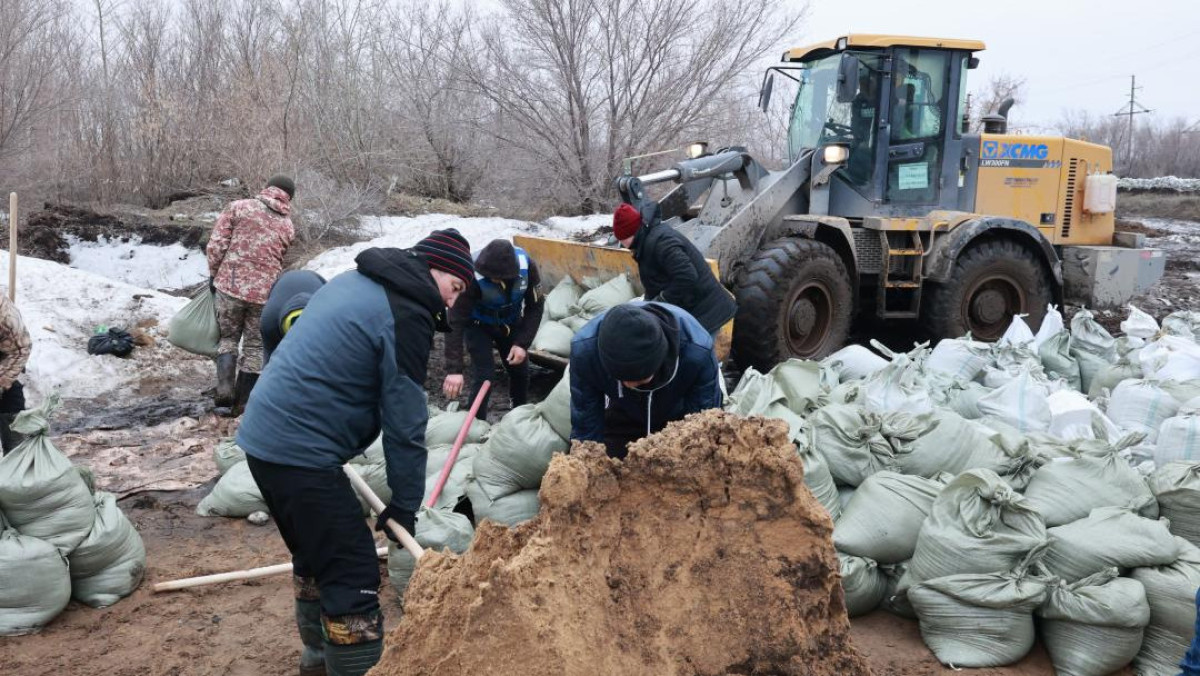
[[501, 310]]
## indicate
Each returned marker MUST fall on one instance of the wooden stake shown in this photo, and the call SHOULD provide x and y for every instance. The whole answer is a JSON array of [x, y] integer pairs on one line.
[[237, 575], [12, 246], [377, 506]]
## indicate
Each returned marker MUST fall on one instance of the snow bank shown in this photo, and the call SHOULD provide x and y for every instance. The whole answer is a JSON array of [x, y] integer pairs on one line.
[[62, 307], [1165, 183], [144, 265]]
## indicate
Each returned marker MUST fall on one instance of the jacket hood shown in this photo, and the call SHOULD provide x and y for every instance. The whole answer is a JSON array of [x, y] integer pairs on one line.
[[276, 200], [404, 272], [498, 260]]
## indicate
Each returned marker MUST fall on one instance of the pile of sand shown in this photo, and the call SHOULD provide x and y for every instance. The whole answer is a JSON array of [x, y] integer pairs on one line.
[[702, 553]]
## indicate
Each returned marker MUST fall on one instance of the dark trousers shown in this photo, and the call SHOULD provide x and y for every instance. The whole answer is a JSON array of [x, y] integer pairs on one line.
[[12, 402], [1191, 659], [620, 429], [480, 341], [322, 524]]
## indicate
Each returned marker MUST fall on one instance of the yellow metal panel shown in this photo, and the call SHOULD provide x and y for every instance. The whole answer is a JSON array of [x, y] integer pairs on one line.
[[868, 40], [1019, 177], [1083, 228]]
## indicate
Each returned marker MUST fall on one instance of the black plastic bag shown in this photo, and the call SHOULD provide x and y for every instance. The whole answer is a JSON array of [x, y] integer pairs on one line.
[[115, 341]]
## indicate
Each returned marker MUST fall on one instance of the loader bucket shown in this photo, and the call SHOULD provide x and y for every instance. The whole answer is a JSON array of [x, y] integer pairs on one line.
[[558, 258]]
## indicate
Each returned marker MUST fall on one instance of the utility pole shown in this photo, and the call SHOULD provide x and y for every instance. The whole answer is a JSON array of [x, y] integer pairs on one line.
[[1133, 108]]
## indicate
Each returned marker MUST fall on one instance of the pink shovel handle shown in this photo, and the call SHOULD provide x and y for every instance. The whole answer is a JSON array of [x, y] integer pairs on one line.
[[458, 444]]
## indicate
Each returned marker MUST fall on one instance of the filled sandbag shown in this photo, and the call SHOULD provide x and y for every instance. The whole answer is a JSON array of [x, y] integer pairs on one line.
[[1111, 375], [455, 488], [954, 444], [235, 495], [561, 299], [1176, 486], [1072, 417], [1178, 438], [1091, 345], [1139, 324], [1182, 323], [1052, 325], [851, 440], [437, 530], [227, 453], [109, 564], [375, 474], [862, 583], [978, 524], [556, 407], [554, 337], [1108, 537], [802, 384], [1069, 488], [893, 601], [608, 295], [41, 494], [819, 480], [900, 386], [35, 584], [961, 398], [517, 453], [763, 395], [1141, 406], [443, 429], [1171, 358], [194, 328], [1021, 403], [1056, 358], [1094, 626], [854, 362], [1171, 593], [959, 360], [978, 620], [1018, 333], [509, 510], [883, 518]]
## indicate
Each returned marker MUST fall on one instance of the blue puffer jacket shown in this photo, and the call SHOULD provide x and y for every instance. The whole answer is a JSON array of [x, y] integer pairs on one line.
[[688, 383]]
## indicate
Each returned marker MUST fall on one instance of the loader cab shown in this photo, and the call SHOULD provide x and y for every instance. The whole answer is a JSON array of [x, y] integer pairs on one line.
[[896, 104]]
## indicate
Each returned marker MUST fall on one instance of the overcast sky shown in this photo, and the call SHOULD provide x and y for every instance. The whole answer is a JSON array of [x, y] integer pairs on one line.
[[1074, 54]]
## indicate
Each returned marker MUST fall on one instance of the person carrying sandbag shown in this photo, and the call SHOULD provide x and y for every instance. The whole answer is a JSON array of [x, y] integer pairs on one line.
[[15, 346], [245, 256], [672, 269], [501, 309], [636, 368], [353, 365]]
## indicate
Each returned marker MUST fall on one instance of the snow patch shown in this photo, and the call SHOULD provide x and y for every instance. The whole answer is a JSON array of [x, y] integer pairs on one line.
[[1165, 183], [173, 266]]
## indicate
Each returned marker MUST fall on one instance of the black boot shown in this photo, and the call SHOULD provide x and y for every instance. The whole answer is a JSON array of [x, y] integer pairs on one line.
[[353, 643], [226, 376], [8, 438], [308, 620], [245, 384]]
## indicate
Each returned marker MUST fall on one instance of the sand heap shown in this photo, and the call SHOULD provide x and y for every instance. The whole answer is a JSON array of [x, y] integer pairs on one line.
[[702, 553]]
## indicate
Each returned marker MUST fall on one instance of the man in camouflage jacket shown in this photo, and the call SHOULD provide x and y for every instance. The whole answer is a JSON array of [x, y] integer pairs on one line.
[[245, 256], [15, 346]]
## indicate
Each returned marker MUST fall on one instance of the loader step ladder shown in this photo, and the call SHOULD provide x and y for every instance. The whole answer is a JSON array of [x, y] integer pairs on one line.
[[908, 281]]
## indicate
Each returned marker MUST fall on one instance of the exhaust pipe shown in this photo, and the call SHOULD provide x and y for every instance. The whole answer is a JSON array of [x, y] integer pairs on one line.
[[997, 123]]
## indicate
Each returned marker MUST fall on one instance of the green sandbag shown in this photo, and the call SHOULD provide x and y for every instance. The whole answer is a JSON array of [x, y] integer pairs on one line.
[[1171, 593], [1111, 375], [978, 620], [762, 395], [437, 530], [509, 510], [851, 440], [893, 601], [455, 488], [978, 524], [109, 564], [608, 295], [1068, 489], [1092, 346], [443, 429], [556, 407], [1056, 358], [1176, 486], [1108, 537], [518, 453], [884, 517], [554, 338], [235, 495], [194, 328], [375, 475], [227, 453], [954, 444], [1093, 627], [561, 299], [35, 584], [802, 384], [41, 494], [862, 583], [819, 480]]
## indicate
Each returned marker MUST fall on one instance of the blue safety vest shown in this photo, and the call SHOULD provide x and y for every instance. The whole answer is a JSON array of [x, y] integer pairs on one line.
[[501, 304]]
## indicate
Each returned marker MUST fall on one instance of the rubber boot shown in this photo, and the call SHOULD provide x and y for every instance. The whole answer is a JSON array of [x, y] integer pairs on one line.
[[353, 643], [8, 438], [308, 621], [245, 384], [226, 377]]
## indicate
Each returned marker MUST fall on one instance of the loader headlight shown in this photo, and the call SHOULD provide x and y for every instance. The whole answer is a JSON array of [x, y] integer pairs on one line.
[[697, 149], [836, 154]]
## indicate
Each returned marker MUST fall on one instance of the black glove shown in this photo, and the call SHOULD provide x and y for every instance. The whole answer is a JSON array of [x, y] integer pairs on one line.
[[212, 285], [407, 519]]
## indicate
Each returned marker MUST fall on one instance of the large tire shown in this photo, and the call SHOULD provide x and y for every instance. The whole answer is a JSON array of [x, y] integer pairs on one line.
[[991, 282], [794, 300]]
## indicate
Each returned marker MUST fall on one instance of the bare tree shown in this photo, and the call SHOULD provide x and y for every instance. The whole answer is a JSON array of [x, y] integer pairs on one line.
[[987, 101], [30, 68]]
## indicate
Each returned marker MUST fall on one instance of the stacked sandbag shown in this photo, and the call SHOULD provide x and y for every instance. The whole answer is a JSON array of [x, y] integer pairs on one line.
[[1182, 323], [562, 299], [978, 524], [1073, 417], [443, 429], [954, 444], [1141, 406], [1171, 593], [509, 510], [226, 454], [763, 395], [854, 362], [1108, 537], [572, 310], [884, 516], [437, 529], [35, 584], [863, 584], [959, 360], [1176, 486], [235, 495], [109, 564], [1018, 333], [818, 479], [553, 337], [803, 384], [608, 295], [513, 461], [454, 490], [893, 601], [1179, 437], [901, 386], [41, 493], [1171, 358], [1091, 475], [1057, 360], [1094, 626], [556, 407], [1091, 345], [979, 620], [851, 440], [1020, 403]]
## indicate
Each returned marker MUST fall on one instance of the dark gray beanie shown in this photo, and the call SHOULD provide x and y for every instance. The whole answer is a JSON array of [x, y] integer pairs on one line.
[[284, 183], [631, 343]]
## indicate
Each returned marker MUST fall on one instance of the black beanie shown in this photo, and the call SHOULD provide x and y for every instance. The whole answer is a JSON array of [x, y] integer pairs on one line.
[[448, 251], [498, 260], [284, 183], [631, 343]]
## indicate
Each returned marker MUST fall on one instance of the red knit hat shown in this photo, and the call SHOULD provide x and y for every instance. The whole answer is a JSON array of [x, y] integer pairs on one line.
[[626, 221]]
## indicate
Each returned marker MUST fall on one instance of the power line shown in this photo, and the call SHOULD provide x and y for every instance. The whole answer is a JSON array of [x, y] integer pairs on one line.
[[1133, 108]]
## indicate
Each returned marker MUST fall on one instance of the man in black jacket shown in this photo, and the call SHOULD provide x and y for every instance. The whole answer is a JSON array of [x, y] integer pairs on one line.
[[354, 364], [501, 309], [673, 270]]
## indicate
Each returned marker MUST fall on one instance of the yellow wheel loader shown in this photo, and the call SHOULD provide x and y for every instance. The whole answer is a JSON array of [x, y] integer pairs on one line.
[[890, 206]]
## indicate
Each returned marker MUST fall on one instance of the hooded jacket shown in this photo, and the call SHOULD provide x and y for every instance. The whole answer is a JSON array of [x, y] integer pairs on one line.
[[674, 271], [490, 264], [687, 382], [355, 364], [246, 248], [290, 293]]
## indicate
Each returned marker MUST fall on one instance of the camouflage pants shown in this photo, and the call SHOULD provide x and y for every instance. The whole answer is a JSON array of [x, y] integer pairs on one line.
[[240, 323]]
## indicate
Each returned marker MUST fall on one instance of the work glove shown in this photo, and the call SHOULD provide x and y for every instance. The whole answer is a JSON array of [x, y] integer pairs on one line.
[[212, 285], [403, 517]]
